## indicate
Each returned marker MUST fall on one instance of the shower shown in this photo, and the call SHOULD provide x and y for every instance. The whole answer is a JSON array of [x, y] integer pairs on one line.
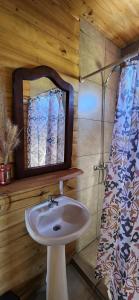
[[115, 67], [101, 167]]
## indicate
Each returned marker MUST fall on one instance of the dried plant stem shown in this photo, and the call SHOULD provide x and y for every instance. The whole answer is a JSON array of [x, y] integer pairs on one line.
[[9, 140]]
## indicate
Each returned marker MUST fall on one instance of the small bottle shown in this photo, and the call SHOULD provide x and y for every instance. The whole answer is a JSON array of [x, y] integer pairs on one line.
[[5, 174]]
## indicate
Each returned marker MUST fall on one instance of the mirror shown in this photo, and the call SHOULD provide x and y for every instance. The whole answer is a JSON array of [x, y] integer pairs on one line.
[[44, 107], [43, 111]]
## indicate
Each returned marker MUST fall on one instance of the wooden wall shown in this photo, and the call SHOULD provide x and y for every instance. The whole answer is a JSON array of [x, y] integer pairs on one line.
[[117, 20], [32, 33]]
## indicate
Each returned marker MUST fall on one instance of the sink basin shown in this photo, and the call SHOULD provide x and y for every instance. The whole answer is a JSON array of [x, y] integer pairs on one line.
[[58, 225]]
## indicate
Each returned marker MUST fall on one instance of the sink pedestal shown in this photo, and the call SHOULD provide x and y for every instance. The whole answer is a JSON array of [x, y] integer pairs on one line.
[[56, 273]]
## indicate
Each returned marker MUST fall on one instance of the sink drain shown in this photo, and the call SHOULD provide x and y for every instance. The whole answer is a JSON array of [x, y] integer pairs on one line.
[[56, 227]]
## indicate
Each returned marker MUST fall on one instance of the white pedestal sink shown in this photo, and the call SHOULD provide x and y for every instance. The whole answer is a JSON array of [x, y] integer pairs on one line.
[[56, 226]]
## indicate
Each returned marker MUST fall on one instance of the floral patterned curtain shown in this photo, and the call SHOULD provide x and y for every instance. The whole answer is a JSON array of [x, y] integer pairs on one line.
[[46, 129], [118, 252]]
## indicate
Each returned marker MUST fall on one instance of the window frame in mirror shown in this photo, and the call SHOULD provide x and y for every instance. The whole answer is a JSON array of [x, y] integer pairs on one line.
[[19, 75]]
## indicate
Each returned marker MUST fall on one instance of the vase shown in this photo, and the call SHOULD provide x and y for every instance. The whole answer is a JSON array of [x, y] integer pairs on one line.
[[5, 174]]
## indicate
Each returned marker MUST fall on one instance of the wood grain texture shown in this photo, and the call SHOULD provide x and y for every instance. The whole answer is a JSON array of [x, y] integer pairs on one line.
[[32, 33], [118, 20], [40, 180], [19, 254]]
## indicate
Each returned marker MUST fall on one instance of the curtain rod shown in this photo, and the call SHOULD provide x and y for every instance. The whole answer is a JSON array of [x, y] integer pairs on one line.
[[114, 64]]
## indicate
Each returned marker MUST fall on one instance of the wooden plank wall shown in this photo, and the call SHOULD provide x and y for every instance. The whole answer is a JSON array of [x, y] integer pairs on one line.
[[32, 33], [117, 20]]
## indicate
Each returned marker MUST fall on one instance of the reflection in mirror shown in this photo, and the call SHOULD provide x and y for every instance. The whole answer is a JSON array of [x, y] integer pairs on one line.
[[44, 107]]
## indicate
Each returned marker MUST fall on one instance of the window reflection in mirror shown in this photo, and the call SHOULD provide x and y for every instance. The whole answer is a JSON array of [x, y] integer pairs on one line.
[[44, 107]]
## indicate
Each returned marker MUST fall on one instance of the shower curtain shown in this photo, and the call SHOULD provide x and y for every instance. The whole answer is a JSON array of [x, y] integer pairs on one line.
[[118, 251], [46, 129]]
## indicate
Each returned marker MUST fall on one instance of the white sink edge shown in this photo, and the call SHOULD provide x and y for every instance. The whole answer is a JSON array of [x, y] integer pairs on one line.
[[58, 240]]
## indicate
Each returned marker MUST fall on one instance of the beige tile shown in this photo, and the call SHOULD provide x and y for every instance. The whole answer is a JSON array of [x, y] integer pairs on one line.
[[77, 287], [89, 177], [86, 266], [90, 63], [107, 157], [90, 43], [101, 191], [92, 50], [87, 163], [108, 128], [80, 183], [89, 254], [89, 197], [91, 31], [89, 236], [114, 78], [90, 100], [110, 104], [86, 259], [99, 214], [111, 47], [88, 137]]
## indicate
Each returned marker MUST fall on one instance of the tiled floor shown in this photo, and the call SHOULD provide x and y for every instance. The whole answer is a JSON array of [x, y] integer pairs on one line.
[[85, 261], [89, 254], [77, 287]]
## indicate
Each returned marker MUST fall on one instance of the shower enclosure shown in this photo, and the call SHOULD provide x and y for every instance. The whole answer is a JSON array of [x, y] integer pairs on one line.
[[97, 158]]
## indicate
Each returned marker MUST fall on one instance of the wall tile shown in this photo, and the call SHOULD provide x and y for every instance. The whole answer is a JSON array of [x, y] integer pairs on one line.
[[89, 254], [91, 32], [101, 191], [81, 183], [87, 163], [114, 78], [110, 47], [99, 214], [89, 177], [95, 52], [108, 128], [110, 104], [90, 63], [89, 101], [90, 45], [90, 198], [88, 137], [89, 236]]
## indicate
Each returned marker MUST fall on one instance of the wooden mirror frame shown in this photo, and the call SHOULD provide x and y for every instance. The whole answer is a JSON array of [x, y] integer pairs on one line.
[[31, 74]]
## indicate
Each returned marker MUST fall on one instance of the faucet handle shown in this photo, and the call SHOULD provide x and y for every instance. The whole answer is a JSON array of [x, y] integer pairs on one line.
[[53, 197]]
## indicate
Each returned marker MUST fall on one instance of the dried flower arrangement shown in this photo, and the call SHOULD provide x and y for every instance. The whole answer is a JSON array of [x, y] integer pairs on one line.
[[9, 140]]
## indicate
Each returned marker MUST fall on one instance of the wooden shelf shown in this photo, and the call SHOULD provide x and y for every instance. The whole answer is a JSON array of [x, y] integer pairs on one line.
[[40, 180]]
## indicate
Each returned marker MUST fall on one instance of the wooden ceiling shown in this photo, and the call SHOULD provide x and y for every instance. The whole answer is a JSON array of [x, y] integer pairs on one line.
[[117, 19]]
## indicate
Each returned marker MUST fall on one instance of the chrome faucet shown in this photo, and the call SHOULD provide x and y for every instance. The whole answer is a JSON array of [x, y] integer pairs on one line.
[[52, 201]]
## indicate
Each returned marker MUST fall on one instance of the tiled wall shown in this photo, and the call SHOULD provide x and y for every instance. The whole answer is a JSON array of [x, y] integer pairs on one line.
[[95, 51]]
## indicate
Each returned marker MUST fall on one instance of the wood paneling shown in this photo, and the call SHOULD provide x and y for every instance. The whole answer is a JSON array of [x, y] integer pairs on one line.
[[117, 19], [40, 181], [32, 33]]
